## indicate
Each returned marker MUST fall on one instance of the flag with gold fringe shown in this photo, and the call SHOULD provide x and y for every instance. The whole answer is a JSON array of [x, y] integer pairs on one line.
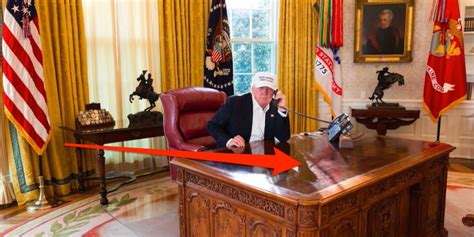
[[218, 68], [445, 78]]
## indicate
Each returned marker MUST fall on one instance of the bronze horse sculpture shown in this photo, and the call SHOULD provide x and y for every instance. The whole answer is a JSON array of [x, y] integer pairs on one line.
[[385, 80], [145, 90]]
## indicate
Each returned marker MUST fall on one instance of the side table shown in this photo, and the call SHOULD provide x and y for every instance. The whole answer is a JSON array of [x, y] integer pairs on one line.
[[108, 135], [383, 118]]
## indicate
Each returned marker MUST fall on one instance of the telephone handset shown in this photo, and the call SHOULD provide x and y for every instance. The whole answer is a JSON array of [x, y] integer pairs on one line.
[[340, 125], [275, 101]]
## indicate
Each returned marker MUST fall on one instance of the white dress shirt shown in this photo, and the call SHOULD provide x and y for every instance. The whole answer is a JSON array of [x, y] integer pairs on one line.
[[258, 121]]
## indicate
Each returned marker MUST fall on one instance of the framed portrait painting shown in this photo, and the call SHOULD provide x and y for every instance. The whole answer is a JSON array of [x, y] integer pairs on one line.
[[383, 31]]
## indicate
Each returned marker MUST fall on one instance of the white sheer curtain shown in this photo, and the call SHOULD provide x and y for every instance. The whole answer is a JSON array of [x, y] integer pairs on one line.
[[122, 40]]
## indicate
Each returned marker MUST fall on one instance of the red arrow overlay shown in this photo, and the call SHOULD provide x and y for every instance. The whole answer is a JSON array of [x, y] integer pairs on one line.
[[279, 162]]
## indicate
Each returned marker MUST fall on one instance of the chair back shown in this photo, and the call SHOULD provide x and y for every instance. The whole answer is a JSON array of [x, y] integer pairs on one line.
[[186, 113]]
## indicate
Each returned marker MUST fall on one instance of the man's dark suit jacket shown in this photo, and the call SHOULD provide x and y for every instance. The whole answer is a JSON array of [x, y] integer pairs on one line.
[[235, 118]]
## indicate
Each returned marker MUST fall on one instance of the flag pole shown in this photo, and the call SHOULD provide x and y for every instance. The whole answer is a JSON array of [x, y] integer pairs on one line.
[[42, 202], [439, 129], [24, 44]]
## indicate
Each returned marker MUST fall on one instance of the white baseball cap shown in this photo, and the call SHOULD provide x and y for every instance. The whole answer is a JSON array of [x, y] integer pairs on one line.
[[268, 79]]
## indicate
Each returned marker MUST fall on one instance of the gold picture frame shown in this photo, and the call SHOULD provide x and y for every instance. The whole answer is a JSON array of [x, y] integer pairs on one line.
[[383, 31]]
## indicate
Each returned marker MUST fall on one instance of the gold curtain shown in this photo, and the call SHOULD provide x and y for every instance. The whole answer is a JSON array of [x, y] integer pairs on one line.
[[297, 33], [183, 28], [65, 73]]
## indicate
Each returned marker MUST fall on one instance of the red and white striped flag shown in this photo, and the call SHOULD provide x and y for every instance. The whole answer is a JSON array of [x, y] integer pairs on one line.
[[24, 94]]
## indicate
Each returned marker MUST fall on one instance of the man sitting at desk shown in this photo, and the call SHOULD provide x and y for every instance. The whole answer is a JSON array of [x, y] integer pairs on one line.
[[251, 117]]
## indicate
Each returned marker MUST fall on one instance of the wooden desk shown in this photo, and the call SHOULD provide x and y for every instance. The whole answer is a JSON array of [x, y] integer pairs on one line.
[[382, 187], [383, 118], [109, 135]]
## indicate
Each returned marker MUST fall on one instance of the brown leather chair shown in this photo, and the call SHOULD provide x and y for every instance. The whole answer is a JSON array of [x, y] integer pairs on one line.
[[186, 112]]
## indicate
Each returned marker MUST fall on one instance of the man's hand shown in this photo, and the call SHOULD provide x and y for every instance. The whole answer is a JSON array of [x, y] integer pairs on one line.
[[282, 100], [237, 150], [236, 141]]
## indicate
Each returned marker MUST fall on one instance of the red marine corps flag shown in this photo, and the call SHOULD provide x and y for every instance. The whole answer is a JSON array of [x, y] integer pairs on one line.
[[445, 79], [24, 94]]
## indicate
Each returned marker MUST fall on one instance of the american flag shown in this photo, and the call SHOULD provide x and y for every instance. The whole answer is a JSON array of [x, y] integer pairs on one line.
[[24, 94]]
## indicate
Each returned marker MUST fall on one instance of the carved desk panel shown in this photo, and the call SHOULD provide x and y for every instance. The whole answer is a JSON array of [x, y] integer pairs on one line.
[[382, 187]]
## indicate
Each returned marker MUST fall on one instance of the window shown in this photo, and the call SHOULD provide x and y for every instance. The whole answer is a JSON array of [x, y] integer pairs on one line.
[[253, 34]]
